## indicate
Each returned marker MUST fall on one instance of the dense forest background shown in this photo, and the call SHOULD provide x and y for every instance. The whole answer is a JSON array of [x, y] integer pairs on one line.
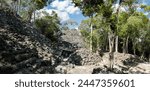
[[113, 26]]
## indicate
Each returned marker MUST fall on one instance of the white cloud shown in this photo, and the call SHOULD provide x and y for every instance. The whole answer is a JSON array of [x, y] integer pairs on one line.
[[60, 5], [62, 8], [66, 6], [64, 16], [72, 10]]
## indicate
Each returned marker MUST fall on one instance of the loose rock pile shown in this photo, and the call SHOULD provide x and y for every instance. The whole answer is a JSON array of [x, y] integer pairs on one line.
[[81, 55], [22, 48], [124, 64]]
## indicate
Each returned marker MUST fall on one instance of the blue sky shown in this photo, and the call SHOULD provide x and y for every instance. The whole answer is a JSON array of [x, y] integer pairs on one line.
[[146, 2], [66, 10]]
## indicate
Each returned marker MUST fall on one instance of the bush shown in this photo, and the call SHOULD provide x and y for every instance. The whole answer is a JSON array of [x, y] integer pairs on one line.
[[49, 26]]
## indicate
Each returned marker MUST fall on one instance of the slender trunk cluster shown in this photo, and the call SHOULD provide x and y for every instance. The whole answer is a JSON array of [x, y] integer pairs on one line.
[[116, 36]]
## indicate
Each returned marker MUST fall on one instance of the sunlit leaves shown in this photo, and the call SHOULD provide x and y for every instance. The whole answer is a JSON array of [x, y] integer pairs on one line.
[[49, 26], [88, 7]]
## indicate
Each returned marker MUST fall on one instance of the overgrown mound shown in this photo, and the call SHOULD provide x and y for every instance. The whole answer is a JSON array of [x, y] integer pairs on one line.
[[22, 48], [82, 55]]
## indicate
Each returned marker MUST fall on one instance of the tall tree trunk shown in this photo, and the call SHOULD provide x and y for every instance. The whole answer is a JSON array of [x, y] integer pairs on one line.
[[106, 44], [16, 5], [109, 40], [29, 16], [134, 46], [106, 48], [127, 40], [34, 9], [123, 48], [116, 44], [19, 6], [34, 15], [91, 39], [98, 46], [111, 50], [125, 45], [134, 51], [142, 55]]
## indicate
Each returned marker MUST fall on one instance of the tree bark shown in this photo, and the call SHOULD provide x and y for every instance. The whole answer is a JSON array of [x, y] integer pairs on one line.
[[127, 40], [134, 46], [34, 16], [116, 44], [30, 12], [109, 43], [19, 6], [98, 46], [91, 39], [134, 51], [123, 48], [142, 55], [16, 5], [111, 51], [125, 45], [106, 44]]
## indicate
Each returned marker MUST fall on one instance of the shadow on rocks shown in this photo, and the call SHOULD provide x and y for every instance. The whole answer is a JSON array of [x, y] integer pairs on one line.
[[106, 70], [132, 61]]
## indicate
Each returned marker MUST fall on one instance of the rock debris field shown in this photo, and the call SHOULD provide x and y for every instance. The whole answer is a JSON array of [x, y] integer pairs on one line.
[[24, 50]]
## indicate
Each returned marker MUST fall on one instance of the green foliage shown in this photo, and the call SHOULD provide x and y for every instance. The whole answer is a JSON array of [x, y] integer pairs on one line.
[[88, 7], [85, 25], [132, 26], [126, 24], [86, 36], [106, 9], [49, 26], [84, 33], [145, 7], [39, 3], [28, 7]]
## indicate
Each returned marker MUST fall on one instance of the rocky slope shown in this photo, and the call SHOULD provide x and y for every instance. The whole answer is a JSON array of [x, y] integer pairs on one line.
[[22, 48], [81, 60], [86, 56]]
